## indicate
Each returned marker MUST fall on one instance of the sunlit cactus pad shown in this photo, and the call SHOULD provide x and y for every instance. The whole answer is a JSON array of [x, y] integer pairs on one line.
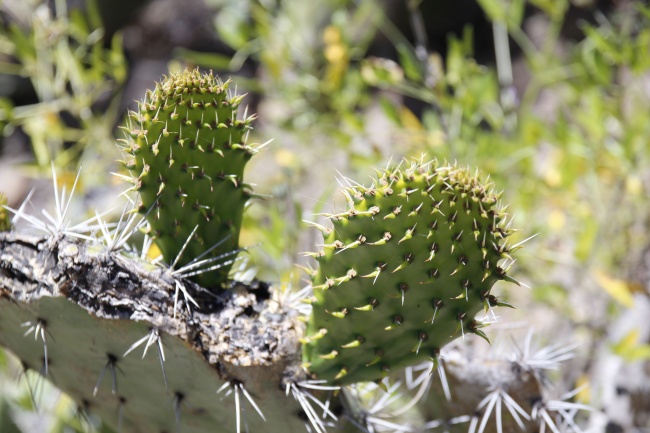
[[187, 148], [404, 270]]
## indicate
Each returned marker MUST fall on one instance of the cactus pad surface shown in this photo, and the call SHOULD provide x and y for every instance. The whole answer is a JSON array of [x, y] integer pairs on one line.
[[403, 271], [187, 151]]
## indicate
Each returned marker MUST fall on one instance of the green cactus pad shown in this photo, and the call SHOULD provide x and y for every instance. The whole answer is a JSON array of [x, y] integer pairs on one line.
[[187, 151], [403, 271]]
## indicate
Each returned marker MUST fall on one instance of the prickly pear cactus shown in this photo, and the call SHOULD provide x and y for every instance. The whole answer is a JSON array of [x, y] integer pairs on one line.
[[403, 271], [187, 151]]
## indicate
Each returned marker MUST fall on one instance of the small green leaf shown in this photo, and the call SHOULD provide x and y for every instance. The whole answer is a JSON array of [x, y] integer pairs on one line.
[[390, 110], [617, 289], [553, 8], [629, 348], [586, 238], [206, 60], [25, 50], [494, 9], [412, 68]]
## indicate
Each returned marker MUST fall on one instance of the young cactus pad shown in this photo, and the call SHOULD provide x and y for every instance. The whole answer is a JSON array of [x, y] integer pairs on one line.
[[403, 271], [187, 153]]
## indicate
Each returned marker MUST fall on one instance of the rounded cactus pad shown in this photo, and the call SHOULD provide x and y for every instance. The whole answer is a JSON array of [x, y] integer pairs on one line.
[[403, 271], [187, 151]]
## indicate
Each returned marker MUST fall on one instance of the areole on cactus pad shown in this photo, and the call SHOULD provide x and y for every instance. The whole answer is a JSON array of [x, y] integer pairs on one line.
[[187, 153], [403, 271]]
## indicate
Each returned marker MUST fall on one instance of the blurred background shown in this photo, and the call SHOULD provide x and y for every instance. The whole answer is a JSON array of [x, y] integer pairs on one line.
[[551, 98]]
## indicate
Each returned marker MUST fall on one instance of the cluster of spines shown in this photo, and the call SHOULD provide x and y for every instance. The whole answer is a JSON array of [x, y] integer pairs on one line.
[[187, 151], [403, 271]]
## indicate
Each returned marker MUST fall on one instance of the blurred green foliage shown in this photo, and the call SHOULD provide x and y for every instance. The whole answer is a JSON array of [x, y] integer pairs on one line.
[[76, 81]]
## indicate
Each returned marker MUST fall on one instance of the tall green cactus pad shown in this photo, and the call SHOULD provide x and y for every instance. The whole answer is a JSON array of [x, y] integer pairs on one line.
[[187, 153], [403, 271]]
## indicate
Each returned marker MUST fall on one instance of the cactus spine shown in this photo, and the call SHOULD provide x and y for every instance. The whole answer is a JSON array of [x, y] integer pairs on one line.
[[187, 150], [403, 271]]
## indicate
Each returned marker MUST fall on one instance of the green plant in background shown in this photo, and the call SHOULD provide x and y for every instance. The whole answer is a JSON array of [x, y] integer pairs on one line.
[[307, 69], [187, 150], [75, 79], [404, 271]]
